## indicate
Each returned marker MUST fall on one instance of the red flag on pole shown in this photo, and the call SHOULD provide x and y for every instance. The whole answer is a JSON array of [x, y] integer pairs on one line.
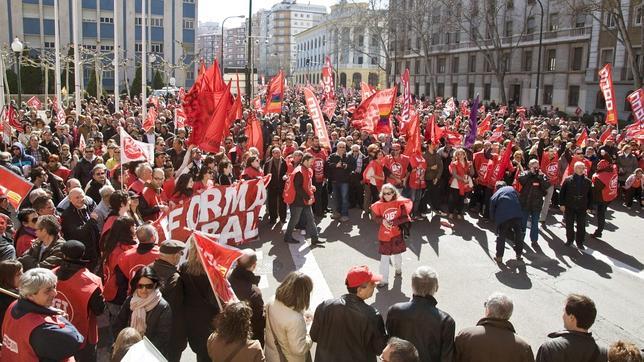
[[34, 103], [497, 135], [133, 150], [319, 126], [605, 135], [148, 122], [373, 113], [81, 143], [583, 137], [433, 132], [328, 88], [366, 91], [211, 140], [10, 116], [485, 125], [413, 147], [606, 86], [254, 134], [503, 164], [217, 260], [275, 94], [329, 107], [406, 100], [14, 187], [636, 98]]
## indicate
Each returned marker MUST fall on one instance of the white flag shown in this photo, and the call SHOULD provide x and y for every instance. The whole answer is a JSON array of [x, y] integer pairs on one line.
[[133, 150]]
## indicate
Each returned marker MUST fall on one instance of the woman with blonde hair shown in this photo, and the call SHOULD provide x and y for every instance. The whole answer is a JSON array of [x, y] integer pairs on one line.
[[200, 306], [391, 211], [286, 336], [126, 339]]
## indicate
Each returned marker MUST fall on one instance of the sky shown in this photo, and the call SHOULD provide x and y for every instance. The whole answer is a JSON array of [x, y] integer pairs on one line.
[[217, 10]]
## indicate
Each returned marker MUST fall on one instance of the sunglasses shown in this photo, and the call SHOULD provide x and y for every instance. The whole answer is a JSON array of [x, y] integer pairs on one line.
[[387, 193], [145, 286]]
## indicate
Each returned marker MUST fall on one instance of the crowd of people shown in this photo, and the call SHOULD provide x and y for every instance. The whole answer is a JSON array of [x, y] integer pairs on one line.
[[81, 253]]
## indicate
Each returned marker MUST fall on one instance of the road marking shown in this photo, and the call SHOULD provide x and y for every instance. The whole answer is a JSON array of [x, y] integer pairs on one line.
[[608, 260], [305, 262]]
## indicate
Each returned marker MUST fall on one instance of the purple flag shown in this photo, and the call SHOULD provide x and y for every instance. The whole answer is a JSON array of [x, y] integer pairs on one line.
[[471, 137]]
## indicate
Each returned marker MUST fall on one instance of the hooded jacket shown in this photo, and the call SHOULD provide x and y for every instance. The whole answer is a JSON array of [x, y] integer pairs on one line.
[[22, 160]]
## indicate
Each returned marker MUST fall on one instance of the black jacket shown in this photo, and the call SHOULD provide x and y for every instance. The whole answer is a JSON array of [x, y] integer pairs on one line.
[[50, 258], [158, 323], [78, 225], [570, 346], [83, 170], [7, 251], [277, 173], [576, 192], [347, 329], [534, 187], [244, 284], [340, 174], [428, 328]]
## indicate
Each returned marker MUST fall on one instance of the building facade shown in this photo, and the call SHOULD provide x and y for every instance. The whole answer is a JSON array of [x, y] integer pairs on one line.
[[171, 27], [355, 54], [449, 63], [209, 46]]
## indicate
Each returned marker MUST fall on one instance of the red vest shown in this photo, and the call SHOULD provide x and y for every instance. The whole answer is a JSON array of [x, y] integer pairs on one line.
[[16, 334], [109, 293], [489, 180], [550, 167], [153, 198], [289, 187], [391, 211], [609, 179], [319, 159], [480, 165], [570, 170], [73, 298], [377, 170], [398, 168], [131, 261], [417, 175], [137, 186]]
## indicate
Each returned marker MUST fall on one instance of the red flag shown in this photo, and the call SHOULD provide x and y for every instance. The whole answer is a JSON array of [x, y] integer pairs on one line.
[[234, 113], [217, 260], [60, 116], [413, 147], [406, 100], [10, 117], [257, 103], [605, 135], [148, 122], [81, 143], [275, 94], [155, 101], [457, 122], [211, 140], [319, 126], [634, 131], [133, 150], [503, 164], [433, 133], [329, 107], [636, 98], [328, 88], [34, 103], [583, 137], [373, 113], [606, 86], [179, 118], [452, 137], [497, 135], [485, 125], [15, 187], [366, 91], [254, 134]]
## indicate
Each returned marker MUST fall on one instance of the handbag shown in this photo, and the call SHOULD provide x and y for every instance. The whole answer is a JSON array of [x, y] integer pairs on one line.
[[280, 352]]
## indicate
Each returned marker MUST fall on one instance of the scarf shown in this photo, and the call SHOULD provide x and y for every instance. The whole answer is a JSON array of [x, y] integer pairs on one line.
[[140, 307]]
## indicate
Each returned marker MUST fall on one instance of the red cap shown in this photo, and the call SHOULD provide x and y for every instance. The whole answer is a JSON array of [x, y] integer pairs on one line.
[[361, 274]]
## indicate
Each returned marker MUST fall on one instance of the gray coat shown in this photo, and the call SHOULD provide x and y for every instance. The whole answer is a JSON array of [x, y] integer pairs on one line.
[[492, 340], [626, 165]]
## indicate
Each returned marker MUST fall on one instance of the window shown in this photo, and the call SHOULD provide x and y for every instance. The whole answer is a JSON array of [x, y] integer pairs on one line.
[[156, 22], [606, 56], [487, 91], [510, 4], [374, 61], [49, 45], [441, 65], [531, 25], [609, 19], [508, 28], [417, 67], [472, 65], [470, 91], [580, 21], [360, 60], [89, 20], [551, 60], [600, 102], [435, 38], [527, 61], [440, 89], [573, 96], [547, 94], [107, 20], [138, 47], [188, 24], [577, 53], [107, 48], [638, 12], [454, 65], [455, 90], [108, 74], [506, 61], [554, 22], [138, 21], [90, 47], [487, 67], [189, 2], [156, 47]]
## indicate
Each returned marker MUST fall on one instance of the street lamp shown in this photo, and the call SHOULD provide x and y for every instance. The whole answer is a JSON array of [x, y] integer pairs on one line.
[[536, 96], [18, 47], [221, 48]]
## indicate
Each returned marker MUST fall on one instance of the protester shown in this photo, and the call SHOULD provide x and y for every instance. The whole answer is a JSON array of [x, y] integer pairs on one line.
[[505, 210], [146, 311], [575, 342], [533, 188], [286, 333], [634, 186], [45, 251], [575, 197], [7, 250], [231, 340], [494, 337], [340, 175], [392, 211], [79, 223], [26, 232], [604, 191], [245, 284], [30, 324], [347, 328], [10, 273], [125, 339], [460, 183], [299, 195], [622, 351], [400, 350]]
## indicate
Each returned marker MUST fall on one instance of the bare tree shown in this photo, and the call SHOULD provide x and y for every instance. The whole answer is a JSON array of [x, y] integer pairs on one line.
[[485, 21], [610, 15]]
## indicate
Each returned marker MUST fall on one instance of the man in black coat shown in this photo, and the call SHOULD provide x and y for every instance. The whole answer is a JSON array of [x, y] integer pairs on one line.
[[276, 167], [84, 167], [357, 163], [534, 187], [79, 223], [574, 197], [340, 175], [418, 321], [245, 285]]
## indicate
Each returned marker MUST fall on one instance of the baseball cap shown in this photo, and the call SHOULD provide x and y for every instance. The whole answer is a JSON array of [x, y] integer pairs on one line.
[[359, 275]]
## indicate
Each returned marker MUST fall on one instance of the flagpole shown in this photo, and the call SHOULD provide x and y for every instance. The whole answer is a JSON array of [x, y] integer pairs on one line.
[[144, 74], [57, 57], [2, 91], [77, 62], [116, 58]]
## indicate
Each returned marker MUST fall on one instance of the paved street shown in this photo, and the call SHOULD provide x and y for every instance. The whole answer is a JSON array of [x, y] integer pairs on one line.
[[610, 271]]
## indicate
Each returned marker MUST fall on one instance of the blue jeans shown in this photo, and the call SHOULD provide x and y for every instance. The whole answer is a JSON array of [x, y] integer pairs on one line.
[[341, 195], [534, 224]]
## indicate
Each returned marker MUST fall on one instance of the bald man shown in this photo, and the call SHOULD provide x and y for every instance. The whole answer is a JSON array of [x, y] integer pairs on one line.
[[79, 223], [575, 196]]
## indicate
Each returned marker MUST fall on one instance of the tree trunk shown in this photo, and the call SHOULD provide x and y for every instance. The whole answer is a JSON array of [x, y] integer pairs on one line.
[[623, 32], [500, 79]]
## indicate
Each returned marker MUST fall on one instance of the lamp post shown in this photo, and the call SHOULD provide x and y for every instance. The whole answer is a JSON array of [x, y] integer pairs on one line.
[[221, 48], [17, 48], [536, 95]]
